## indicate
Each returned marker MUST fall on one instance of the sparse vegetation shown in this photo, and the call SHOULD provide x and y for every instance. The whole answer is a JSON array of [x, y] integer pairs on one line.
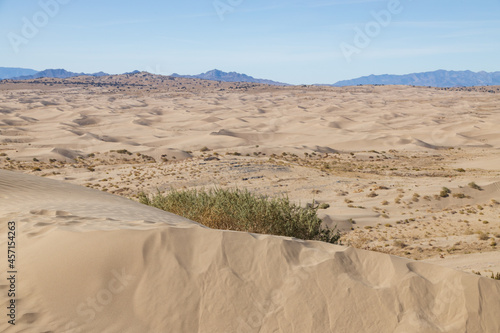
[[474, 186], [399, 243], [244, 211], [123, 151], [323, 205], [482, 235], [445, 192]]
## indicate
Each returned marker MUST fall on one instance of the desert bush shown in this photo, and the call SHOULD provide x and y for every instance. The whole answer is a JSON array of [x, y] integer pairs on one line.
[[475, 186], [445, 192], [323, 205], [241, 210], [459, 195], [483, 236], [399, 243]]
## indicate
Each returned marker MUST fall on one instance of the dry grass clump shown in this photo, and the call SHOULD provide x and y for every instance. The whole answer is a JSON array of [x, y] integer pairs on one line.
[[482, 235], [241, 210], [475, 186], [400, 244]]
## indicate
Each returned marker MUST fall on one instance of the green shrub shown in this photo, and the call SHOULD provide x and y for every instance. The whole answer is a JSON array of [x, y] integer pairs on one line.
[[445, 192], [323, 205], [241, 210]]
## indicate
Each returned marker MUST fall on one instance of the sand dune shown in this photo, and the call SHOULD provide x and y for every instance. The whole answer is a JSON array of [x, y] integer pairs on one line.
[[93, 262], [342, 118]]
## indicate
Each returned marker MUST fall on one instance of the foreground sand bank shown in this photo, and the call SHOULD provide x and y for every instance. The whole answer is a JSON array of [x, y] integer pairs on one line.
[[101, 263]]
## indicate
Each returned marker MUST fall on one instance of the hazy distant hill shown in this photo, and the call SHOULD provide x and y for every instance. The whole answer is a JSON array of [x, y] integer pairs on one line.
[[9, 72], [55, 73], [440, 78], [217, 75]]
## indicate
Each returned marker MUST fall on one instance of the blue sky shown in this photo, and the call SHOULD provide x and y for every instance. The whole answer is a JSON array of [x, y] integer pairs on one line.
[[294, 41]]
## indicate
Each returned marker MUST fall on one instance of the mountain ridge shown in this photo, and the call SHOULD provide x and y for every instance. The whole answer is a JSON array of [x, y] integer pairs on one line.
[[12, 72], [439, 78], [218, 75], [56, 73]]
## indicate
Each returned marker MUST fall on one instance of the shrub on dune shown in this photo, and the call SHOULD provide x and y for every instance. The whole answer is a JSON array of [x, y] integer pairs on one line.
[[241, 210]]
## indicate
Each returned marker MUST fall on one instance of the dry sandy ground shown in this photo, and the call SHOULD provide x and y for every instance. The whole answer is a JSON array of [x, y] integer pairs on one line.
[[379, 156], [93, 262]]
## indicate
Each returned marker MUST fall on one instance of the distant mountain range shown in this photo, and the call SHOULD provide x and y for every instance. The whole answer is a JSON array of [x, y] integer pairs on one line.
[[214, 75], [55, 73], [440, 78], [8, 72], [217, 75]]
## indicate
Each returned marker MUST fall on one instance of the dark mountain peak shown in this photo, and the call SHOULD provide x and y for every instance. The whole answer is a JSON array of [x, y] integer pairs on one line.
[[218, 75]]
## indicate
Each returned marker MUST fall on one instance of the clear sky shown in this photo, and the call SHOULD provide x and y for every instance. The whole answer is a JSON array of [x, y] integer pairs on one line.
[[294, 41]]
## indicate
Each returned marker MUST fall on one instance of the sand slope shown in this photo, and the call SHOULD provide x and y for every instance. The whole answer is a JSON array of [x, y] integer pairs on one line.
[[93, 262]]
